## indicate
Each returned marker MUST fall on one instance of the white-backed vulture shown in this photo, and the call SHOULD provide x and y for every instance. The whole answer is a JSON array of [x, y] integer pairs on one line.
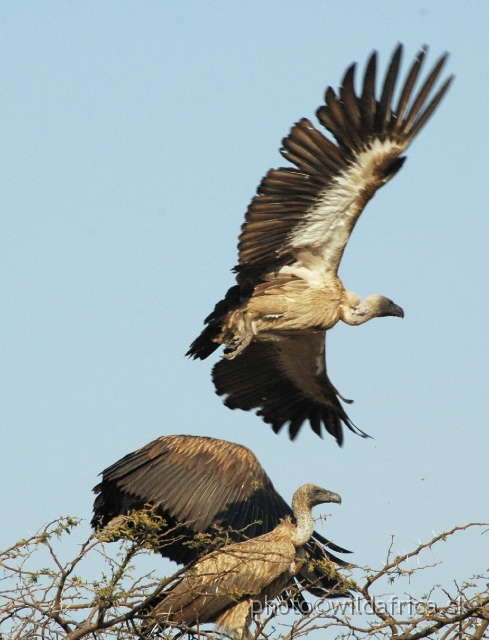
[[291, 244], [224, 585], [202, 483]]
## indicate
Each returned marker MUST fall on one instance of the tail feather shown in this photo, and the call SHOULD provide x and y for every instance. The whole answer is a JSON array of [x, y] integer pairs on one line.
[[205, 344]]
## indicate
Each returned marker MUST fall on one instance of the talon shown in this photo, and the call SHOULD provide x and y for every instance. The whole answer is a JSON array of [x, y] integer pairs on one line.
[[236, 346]]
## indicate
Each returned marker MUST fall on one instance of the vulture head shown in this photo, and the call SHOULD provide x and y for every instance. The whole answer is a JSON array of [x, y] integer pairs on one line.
[[310, 495], [304, 499], [382, 306], [374, 306]]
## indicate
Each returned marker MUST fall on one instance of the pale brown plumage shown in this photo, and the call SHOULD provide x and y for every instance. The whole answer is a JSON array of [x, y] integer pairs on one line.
[[292, 241], [222, 587], [202, 483]]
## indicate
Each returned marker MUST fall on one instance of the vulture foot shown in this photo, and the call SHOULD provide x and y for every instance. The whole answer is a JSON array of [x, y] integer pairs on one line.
[[240, 340]]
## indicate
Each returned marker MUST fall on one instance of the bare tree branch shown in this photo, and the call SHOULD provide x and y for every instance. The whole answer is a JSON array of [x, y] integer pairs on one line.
[[42, 596]]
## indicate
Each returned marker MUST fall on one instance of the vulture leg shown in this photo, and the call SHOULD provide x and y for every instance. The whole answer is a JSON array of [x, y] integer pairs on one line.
[[241, 339]]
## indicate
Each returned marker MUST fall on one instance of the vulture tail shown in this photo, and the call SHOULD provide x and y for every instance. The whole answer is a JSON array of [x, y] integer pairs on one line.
[[206, 343]]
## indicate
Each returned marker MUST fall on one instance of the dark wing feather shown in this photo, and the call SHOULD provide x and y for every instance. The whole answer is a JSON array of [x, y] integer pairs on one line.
[[367, 102], [335, 181], [383, 115], [408, 86], [286, 381], [193, 479], [349, 98]]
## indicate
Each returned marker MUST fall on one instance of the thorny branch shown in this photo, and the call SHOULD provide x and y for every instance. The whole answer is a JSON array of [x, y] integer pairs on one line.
[[43, 596]]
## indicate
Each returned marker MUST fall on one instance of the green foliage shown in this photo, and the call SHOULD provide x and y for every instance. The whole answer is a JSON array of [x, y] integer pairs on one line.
[[144, 527]]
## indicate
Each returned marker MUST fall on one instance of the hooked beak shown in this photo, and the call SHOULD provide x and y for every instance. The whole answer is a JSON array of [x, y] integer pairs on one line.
[[332, 497], [397, 311]]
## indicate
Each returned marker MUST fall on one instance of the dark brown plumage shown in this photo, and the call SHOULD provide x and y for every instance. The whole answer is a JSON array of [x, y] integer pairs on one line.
[[225, 586], [202, 482], [283, 379], [291, 244]]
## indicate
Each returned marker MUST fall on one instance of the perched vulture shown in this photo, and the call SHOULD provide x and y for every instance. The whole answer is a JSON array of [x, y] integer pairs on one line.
[[273, 322], [226, 586], [198, 483]]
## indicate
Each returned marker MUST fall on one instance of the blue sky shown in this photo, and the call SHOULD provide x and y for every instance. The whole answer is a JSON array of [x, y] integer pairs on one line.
[[133, 136]]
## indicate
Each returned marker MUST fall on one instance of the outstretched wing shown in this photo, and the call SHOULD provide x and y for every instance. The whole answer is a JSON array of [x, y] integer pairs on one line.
[[287, 381], [311, 211], [202, 482], [199, 481]]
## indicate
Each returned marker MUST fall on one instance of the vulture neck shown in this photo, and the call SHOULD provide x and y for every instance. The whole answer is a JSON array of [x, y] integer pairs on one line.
[[305, 522], [358, 311]]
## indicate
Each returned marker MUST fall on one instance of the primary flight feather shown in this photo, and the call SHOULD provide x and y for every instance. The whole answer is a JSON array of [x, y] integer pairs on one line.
[[273, 322]]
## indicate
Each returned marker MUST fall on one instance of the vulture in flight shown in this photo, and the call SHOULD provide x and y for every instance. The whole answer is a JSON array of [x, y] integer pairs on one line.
[[197, 483], [228, 585], [273, 322]]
